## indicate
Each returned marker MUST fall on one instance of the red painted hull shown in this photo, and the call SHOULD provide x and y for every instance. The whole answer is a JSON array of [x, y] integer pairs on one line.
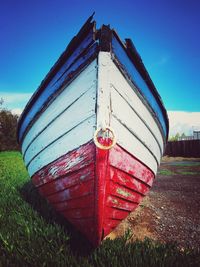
[[94, 189]]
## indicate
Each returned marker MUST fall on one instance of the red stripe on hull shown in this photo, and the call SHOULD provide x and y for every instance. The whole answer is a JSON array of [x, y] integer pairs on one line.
[[81, 202], [128, 180], [69, 185], [71, 162], [67, 181], [122, 160], [94, 189]]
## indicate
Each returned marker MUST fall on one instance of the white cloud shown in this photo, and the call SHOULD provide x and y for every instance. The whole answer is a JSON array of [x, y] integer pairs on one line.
[[10, 98], [15, 101], [183, 122], [17, 111]]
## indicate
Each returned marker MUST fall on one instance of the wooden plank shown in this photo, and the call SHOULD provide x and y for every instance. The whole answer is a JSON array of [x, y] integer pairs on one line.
[[85, 201], [124, 193], [122, 160], [116, 214], [109, 75], [76, 137], [123, 88], [67, 180], [81, 213], [116, 202], [183, 148], [136, 78], [69, 119], [77, 191], [127, 180], [53, 87], [103, 91], [131, 144], [102, 177], [80, 86], [63, 166], [131, 120]]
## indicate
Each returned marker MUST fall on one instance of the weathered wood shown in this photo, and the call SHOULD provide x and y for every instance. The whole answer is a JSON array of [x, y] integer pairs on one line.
[[113, 109], [128, 67], [48, 94], [76, 44], [129, 142], [71, 162], [124, 161], [122, 87], [69, 180], [74, 192], [64, 123], [127, 181], [81, 202], [69, 185], [105, 38], [85, 82], [76, 137], [93, 134], [131, 121]]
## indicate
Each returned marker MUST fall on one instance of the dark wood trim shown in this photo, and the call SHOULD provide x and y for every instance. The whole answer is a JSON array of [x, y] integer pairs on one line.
[[105, 38], [135, 58], [49, 100], [74, 43]]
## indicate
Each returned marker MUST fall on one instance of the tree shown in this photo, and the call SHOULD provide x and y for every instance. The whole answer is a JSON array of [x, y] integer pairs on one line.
[[8, 129], [175, 138], [183, 136]]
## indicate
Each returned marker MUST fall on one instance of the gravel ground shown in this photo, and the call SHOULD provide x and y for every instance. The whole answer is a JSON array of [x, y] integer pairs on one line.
[[171, 211]]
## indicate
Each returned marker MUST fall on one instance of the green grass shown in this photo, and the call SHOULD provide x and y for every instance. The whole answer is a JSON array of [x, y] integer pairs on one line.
[[186, 163], [32, 234], [166, 172], [169, 172], [187, 172]]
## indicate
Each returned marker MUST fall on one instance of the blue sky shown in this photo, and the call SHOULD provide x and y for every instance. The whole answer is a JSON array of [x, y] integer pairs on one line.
[[165, 32]]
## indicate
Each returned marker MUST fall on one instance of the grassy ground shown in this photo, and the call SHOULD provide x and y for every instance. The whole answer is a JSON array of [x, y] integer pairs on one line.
[[32, 234]]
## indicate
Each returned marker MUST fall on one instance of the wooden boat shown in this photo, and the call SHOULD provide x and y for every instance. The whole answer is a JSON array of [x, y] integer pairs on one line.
[[93, 133]]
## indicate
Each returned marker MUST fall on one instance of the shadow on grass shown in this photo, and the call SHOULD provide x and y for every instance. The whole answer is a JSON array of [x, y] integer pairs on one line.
[[78, 243]]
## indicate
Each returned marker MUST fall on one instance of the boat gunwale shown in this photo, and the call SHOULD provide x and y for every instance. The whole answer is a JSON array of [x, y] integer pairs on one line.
[[73, 44], [131, 53], [104, 36], [143, 121], [52, 97], [143, 99]]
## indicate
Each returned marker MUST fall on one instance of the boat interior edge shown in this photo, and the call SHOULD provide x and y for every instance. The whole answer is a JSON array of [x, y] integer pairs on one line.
[[103, 38], [89, 26]]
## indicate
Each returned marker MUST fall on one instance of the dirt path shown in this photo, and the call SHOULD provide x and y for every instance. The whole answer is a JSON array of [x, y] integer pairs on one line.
[[171, 211]]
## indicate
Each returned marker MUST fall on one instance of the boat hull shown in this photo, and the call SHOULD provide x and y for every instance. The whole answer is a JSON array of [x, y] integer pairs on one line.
[[94, 189], [93, 134]]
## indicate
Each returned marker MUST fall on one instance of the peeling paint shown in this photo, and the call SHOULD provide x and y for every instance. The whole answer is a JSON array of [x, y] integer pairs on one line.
[[53, 170], [84, 176], [115, 201], [123, 192]]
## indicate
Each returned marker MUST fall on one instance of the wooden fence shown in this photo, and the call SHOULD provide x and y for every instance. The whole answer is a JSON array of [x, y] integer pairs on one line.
[[186, 148]]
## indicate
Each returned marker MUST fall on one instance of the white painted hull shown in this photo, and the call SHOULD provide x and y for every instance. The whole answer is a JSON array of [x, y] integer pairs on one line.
[[70, 120], [135, 128], [66, 124]]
